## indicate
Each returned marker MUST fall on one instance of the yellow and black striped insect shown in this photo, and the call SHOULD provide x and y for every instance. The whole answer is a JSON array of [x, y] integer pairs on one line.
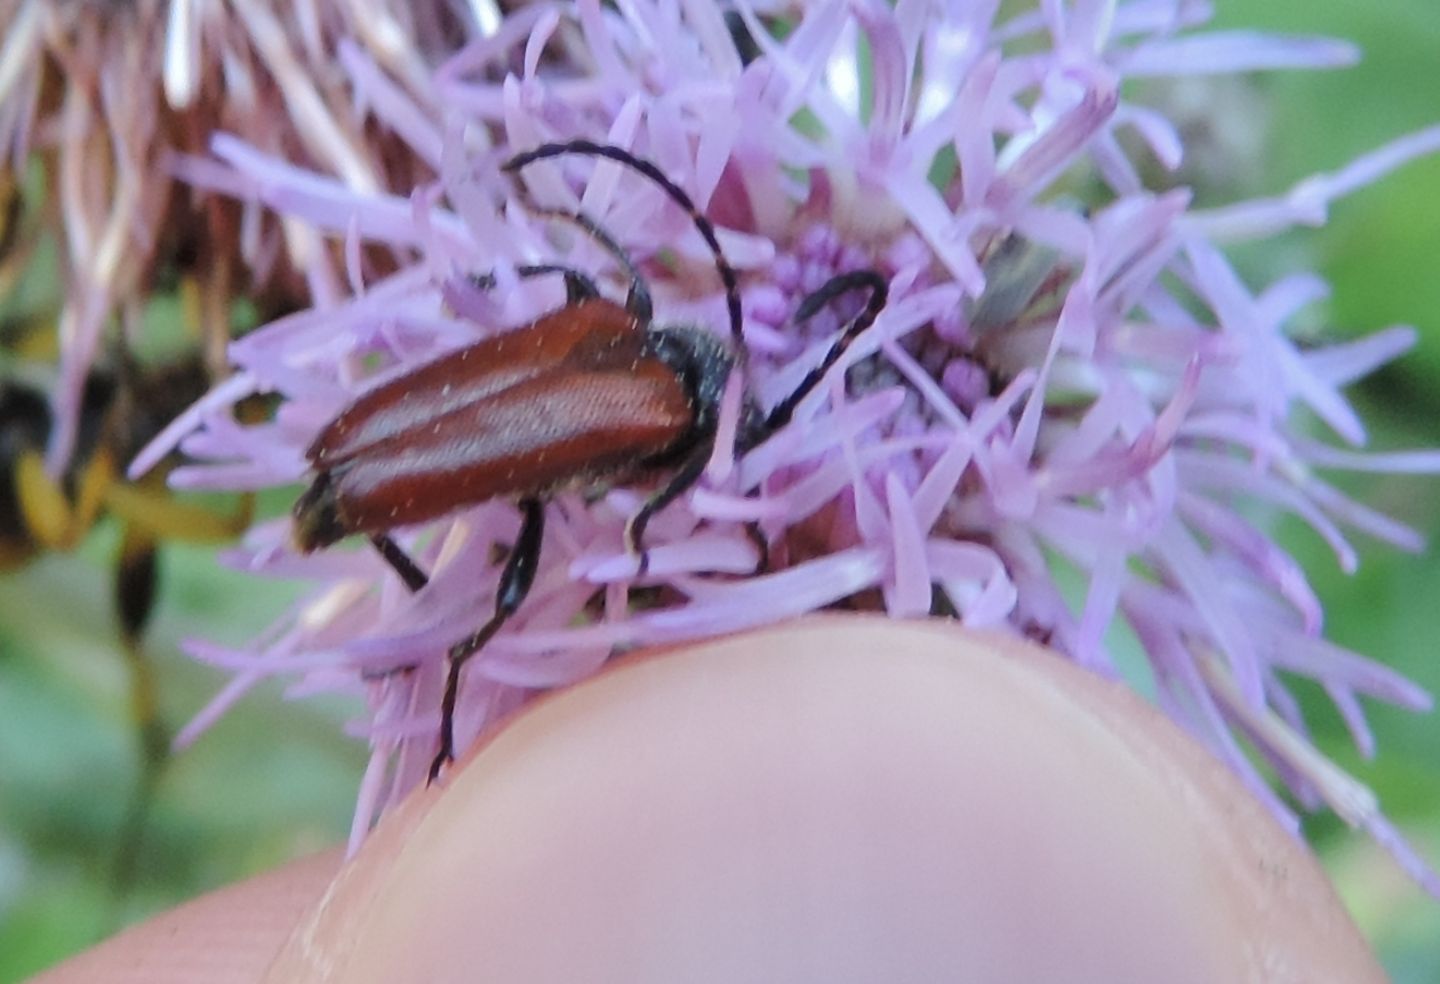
[[123, 407]]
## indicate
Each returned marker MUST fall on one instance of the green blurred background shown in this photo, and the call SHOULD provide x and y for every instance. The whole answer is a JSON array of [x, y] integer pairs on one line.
[[274, 780]]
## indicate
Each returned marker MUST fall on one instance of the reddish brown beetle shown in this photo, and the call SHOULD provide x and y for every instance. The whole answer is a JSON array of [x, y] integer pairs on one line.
[[591, 393]]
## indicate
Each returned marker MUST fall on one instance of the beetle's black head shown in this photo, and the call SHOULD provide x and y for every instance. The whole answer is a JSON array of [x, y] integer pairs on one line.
[[704, 364]]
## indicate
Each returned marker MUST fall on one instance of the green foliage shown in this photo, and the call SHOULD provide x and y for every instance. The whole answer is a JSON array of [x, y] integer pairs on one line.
[[1381, 253]]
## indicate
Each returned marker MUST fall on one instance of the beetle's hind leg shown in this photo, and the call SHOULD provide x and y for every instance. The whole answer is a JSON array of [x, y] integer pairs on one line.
[[515, 582]]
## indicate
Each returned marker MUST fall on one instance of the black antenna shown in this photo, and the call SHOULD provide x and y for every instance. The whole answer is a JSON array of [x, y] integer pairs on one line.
[[588, 148]]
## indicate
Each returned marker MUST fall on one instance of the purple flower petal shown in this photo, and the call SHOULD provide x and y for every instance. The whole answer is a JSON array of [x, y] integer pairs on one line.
[[1230, 52]]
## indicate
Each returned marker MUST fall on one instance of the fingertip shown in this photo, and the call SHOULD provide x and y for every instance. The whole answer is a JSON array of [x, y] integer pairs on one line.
[[229, 936], [840, 799]]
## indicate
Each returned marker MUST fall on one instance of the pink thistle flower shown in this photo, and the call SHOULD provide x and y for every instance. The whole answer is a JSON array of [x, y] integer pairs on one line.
[[1057, 393], [100, 96]]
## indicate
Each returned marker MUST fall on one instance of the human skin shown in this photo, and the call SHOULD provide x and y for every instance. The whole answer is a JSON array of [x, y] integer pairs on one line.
[[840, 799]]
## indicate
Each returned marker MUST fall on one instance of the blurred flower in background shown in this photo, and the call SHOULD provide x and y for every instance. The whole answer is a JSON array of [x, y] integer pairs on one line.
[[1075, 420], [95, 97]]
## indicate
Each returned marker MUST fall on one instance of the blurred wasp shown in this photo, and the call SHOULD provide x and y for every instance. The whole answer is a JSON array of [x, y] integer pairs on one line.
[[123, 407]]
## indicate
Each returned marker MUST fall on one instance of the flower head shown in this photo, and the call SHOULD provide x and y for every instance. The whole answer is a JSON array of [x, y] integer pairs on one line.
[[1060, 422]]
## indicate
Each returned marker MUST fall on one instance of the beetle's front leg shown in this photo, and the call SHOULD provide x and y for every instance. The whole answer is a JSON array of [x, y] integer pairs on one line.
[[688, 474], [515, 582], [879, 289]]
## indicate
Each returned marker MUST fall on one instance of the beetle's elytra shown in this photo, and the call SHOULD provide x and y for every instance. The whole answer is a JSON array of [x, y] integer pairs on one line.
[[592, 392], [582, 394]]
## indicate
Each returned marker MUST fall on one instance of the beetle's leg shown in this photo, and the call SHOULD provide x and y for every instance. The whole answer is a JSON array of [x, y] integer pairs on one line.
[[869, 280], [400, 562], [637, 297], [687, 474], [578, 286], [515, 582]]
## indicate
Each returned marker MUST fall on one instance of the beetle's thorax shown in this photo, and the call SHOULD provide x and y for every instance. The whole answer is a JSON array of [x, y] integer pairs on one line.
[[703, 363]]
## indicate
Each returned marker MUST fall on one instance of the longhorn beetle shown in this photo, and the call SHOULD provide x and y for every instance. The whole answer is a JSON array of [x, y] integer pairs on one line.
[[592, 392]]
